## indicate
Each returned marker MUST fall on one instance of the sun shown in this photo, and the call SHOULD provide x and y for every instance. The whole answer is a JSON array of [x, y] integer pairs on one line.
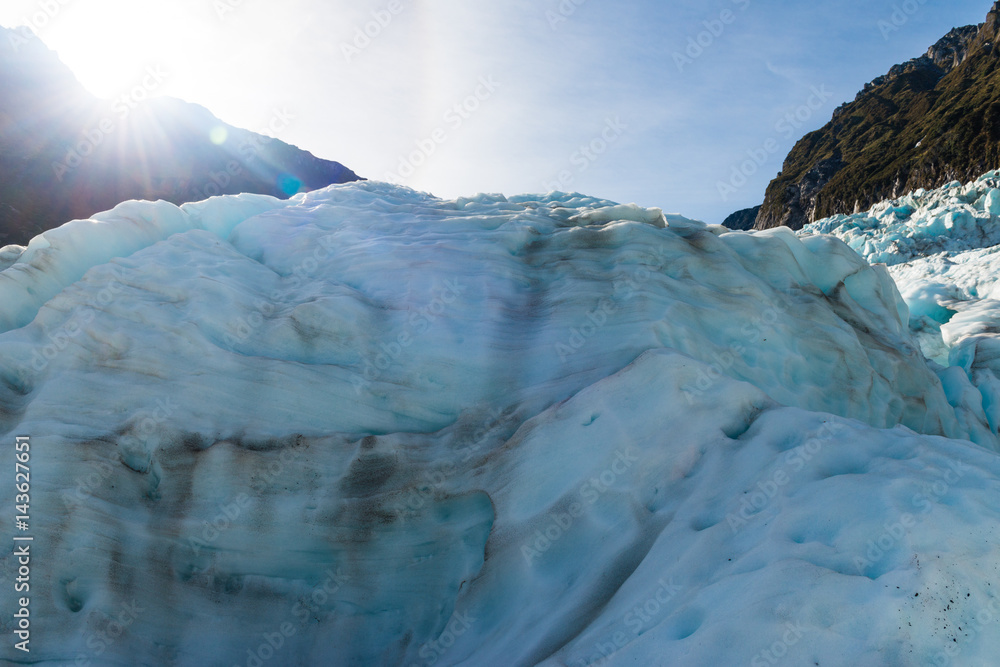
[[110, 44]]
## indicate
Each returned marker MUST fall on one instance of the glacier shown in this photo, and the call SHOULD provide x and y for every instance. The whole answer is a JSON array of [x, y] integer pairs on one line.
[[369, 426], [941, 248]]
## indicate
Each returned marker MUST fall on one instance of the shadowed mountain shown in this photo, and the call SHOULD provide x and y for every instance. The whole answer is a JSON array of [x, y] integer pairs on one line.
[[65, 154], [925, 123], [742, 220]]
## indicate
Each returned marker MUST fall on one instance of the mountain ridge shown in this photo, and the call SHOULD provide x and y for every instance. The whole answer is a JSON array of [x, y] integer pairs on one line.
[[929, 121], [66, 154]]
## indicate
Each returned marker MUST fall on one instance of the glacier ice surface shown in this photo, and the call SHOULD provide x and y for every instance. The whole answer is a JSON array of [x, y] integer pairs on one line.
[[370, 426]]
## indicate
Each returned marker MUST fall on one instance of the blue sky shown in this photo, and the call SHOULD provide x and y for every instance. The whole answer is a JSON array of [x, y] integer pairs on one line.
[[652, 102]]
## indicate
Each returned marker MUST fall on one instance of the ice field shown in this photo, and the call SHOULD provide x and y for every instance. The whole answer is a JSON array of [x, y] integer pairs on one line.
[[368, 426]]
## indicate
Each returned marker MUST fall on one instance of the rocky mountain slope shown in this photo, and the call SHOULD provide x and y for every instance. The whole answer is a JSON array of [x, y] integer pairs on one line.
[[65, 154], [742, 220], [925, 123]]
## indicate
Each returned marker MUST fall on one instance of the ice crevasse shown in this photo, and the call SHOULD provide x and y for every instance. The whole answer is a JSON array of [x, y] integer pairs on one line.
[[370, 426]]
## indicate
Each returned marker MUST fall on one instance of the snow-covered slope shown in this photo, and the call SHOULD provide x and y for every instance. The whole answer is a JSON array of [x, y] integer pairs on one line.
[[369, 426], [941, 248], [372, 309]]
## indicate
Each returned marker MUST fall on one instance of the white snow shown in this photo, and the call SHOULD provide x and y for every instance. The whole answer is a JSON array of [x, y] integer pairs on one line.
[[370, 426]]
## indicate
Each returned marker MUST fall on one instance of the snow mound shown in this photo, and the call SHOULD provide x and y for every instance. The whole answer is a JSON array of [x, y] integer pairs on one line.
[[942, 250], [951, 219], [370, 426], [373, 309], [736, 531]]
